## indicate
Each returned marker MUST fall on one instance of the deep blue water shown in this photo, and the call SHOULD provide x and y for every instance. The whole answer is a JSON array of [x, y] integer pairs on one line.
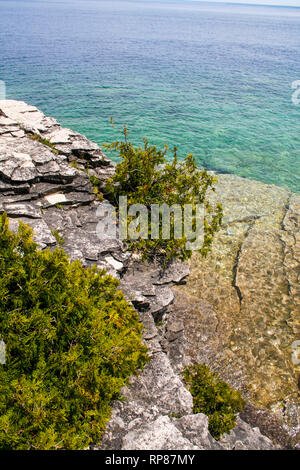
[[211, 79]]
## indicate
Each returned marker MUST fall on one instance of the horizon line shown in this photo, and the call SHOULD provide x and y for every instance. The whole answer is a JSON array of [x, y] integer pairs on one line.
[[224, 2]]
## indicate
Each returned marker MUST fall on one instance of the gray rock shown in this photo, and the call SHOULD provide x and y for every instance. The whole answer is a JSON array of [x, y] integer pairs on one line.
[[161, 434], [244, 437], [50, 190], [22, 210]]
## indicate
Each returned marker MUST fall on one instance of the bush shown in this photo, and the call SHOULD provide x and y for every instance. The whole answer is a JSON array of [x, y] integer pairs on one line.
[[146, 177], [72, 341], [214, 398]]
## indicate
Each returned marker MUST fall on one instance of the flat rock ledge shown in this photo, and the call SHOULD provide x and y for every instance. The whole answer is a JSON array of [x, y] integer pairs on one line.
[[45, 182]]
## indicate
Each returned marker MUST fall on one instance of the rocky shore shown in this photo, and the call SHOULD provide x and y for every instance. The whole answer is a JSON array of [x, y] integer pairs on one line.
[[238, 310]]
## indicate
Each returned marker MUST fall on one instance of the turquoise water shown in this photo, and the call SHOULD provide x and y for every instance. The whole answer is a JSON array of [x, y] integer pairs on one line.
[[214, 80]]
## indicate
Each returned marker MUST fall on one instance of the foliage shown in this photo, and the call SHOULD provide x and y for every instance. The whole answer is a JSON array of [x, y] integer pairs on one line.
[[214, 398], [72, 341], [96, 183], [146, 177], [94, 180], [60, 240], [44, 142]]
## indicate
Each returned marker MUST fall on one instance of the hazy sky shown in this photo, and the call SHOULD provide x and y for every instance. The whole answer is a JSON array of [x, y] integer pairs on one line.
[[293, 3]]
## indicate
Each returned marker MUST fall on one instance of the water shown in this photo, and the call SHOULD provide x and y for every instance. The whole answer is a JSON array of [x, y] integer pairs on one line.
[[214, 80]]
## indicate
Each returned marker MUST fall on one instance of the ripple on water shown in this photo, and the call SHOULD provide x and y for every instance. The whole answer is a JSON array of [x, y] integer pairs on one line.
[[251, 283]]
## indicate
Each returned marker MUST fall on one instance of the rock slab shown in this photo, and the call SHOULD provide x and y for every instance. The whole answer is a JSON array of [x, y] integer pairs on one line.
[[45, 182]]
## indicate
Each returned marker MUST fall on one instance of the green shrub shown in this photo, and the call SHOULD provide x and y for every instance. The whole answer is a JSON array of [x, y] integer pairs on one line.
[[72, 341], [146, 177], [44, 142], [214, 398]]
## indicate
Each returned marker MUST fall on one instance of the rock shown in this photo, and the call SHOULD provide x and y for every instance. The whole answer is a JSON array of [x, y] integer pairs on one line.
[[60, 136], [6, 122], [29, 117], [22, 210], [145, 281], [161, 434], [176, 273], [44, 182], [244, 437], [114, 263], [195, 429], [56, 198], [42, 234]]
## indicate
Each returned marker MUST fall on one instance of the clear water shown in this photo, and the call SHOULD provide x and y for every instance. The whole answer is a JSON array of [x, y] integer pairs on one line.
[[214, 80]]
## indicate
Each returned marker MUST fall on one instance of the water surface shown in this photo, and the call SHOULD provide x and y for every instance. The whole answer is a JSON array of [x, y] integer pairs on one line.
[[214, 80]]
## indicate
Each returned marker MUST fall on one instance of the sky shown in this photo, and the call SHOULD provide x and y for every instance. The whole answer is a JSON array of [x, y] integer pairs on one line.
[[292, 3]]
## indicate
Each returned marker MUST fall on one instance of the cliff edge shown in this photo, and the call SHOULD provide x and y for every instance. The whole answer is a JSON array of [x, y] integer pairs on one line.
[[45, 181]]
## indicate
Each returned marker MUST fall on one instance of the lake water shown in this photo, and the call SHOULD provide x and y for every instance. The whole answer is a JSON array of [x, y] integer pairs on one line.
[[214, 80]]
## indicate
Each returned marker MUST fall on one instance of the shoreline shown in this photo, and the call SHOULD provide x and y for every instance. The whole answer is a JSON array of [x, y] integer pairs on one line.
[[32, 174]]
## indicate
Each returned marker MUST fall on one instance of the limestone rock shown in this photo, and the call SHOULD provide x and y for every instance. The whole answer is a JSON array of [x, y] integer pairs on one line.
[[244, 437], [44, 182], [161, 434]]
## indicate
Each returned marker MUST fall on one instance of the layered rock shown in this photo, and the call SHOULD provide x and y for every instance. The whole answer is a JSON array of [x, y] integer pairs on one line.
[[45, 181]]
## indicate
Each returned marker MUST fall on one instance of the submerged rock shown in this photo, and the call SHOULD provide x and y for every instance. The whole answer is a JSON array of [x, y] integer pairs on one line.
[[45, 182], [241, 305]]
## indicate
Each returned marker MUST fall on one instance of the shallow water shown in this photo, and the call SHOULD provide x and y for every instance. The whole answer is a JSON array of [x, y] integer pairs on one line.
[[243, 316]]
